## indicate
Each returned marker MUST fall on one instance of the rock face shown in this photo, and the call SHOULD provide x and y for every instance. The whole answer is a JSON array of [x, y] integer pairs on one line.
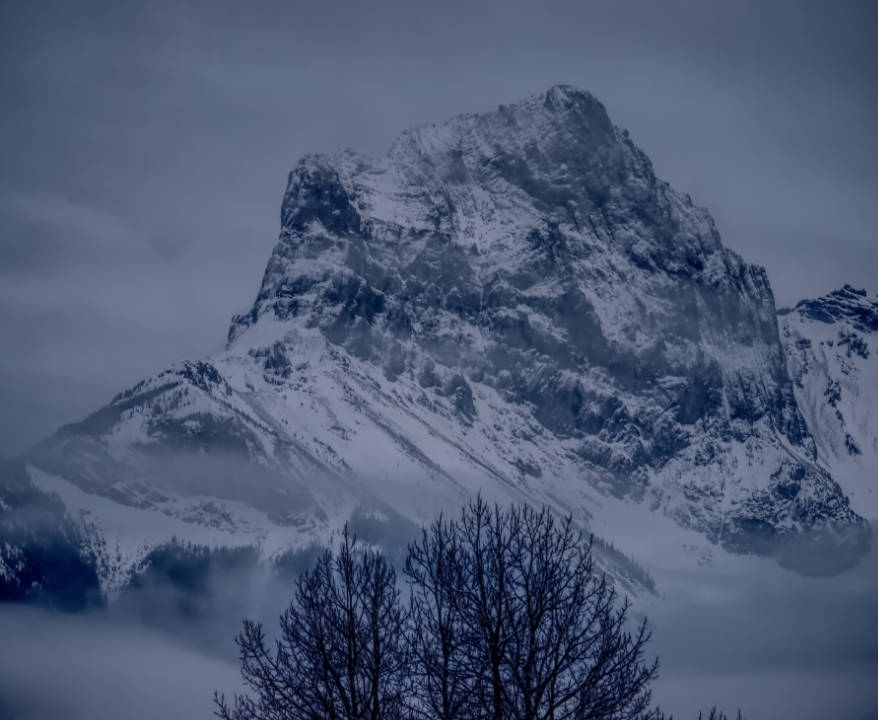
[[509, 302], [832, 354]]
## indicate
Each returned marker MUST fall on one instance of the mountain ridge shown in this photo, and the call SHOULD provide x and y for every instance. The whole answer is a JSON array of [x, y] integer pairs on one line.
[[510, 302], [832, 344]]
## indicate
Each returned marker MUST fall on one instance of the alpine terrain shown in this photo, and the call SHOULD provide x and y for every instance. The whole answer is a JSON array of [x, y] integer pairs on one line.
[[510, 303], [832, 350]]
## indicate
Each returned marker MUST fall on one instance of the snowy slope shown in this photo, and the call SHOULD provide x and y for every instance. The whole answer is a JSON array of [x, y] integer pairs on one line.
[[509, 303], [41, 558], [832, 353]]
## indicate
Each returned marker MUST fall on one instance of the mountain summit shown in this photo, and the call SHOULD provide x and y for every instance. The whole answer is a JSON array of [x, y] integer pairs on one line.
[[832, 353], [509, 302]]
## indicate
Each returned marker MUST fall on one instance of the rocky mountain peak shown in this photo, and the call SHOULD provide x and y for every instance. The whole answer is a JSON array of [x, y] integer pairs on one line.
[[831, 346], [559, 147], [510, 303], [845, 304], [532, 252], [563, 114]]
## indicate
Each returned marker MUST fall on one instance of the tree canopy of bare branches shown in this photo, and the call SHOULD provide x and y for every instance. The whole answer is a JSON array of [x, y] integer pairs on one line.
[[341, 652], [515, 622], [508, 618]]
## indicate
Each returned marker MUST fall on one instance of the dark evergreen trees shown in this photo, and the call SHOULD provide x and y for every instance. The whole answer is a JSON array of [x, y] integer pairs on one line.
[[43, 555]]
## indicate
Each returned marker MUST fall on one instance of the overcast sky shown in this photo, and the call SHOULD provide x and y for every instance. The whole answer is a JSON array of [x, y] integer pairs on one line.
[[145, 147]]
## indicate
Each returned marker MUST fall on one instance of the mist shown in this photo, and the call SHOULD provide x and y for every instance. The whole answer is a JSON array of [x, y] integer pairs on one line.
[[775, 644], [94, 667]]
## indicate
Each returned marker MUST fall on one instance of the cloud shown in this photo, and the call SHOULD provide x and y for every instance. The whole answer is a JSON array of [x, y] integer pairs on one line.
[[775, 644], [91, 668], [779, 646]]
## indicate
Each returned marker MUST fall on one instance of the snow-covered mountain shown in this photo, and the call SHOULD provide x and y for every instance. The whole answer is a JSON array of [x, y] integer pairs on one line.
[[41, 546], [832, 354], [510, 303]]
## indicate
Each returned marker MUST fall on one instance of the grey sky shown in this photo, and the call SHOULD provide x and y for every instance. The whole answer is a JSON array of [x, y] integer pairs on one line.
[[145, 148]]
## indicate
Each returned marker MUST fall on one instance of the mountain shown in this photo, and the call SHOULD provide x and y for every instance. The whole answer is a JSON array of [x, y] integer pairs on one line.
[[832, 354], [510, 303], [44, 555]]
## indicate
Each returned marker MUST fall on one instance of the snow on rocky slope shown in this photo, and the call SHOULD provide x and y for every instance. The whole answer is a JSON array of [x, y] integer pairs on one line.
[[832, 354], [509, 303]]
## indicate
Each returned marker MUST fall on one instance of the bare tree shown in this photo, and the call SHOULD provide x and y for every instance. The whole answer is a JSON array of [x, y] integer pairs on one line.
[[485, 537], [439, 635], [508, 619], [532, 630], [719, 715], [341, 654], [714, 714]]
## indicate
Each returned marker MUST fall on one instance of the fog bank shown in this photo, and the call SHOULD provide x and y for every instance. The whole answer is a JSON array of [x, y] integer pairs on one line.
[[89, 667], [777, 645]]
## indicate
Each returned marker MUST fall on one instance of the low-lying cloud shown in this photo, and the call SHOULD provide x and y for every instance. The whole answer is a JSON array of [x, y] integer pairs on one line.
[[775, 644], [90, 667]]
